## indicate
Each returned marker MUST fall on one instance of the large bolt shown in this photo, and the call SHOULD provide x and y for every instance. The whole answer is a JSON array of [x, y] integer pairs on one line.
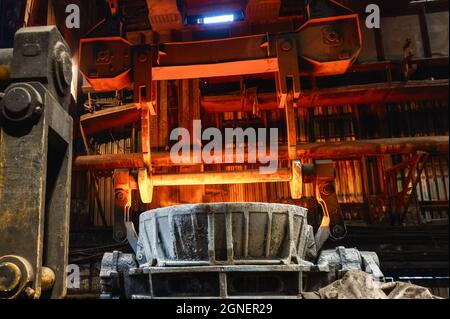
[[121, 195], [17, 102], [63, 67], [103, 57], [119, 235], [286, 45], [10, 276], [327, 189], [21, 101], [338, 231], [142, 57], [332, 36]]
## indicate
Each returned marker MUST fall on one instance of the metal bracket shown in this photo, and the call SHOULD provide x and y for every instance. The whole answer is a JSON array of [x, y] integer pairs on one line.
[[288, 76], [332, 224], [36, 164], [321, 173]]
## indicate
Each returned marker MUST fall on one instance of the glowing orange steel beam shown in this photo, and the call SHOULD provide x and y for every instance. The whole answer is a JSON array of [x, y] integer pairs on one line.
[[335, 150]]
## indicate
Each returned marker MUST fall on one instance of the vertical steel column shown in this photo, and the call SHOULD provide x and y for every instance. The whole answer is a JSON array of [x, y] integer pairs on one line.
[[35, 167]]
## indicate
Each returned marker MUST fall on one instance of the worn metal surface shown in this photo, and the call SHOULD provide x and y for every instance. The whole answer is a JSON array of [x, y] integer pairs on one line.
[[115, 266], [41, 54], [21, 103], [227, 250], [122, 203], [222, 233], [121, 279], [36, 159], [341, 260], [351, 258], [35, 171], [16, 275]]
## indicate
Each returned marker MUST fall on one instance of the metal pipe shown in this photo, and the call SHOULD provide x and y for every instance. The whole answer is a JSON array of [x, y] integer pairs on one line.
[[356, 94], [335, 150]]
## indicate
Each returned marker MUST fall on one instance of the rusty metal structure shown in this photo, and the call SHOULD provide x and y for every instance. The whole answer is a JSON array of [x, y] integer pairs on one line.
[[226, 250], [362, 145], [35, 166]]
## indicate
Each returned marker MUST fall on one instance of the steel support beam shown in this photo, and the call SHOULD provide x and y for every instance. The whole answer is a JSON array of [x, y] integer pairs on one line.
[[286, 53], [357, 94], [36, 167], [335, 150], [220, 178]]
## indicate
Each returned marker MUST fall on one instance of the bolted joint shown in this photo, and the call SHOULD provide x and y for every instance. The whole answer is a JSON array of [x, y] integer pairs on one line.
[[16, 276], [10, 276], [121, 196], [286, 45], [326, 188], [21, 102], [331, 36], [338, 231], [122, 187], [62, 67]]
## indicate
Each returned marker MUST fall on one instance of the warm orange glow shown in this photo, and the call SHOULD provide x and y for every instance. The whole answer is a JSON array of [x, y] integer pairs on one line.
[[217, 69]]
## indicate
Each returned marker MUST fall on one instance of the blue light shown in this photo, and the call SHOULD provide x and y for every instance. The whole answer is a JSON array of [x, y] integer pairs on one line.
[[421, 278], [219, 19]]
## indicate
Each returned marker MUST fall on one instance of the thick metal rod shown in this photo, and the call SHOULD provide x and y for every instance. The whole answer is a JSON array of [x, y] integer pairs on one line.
[[335, 150], [356, 94], [220, 178]]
